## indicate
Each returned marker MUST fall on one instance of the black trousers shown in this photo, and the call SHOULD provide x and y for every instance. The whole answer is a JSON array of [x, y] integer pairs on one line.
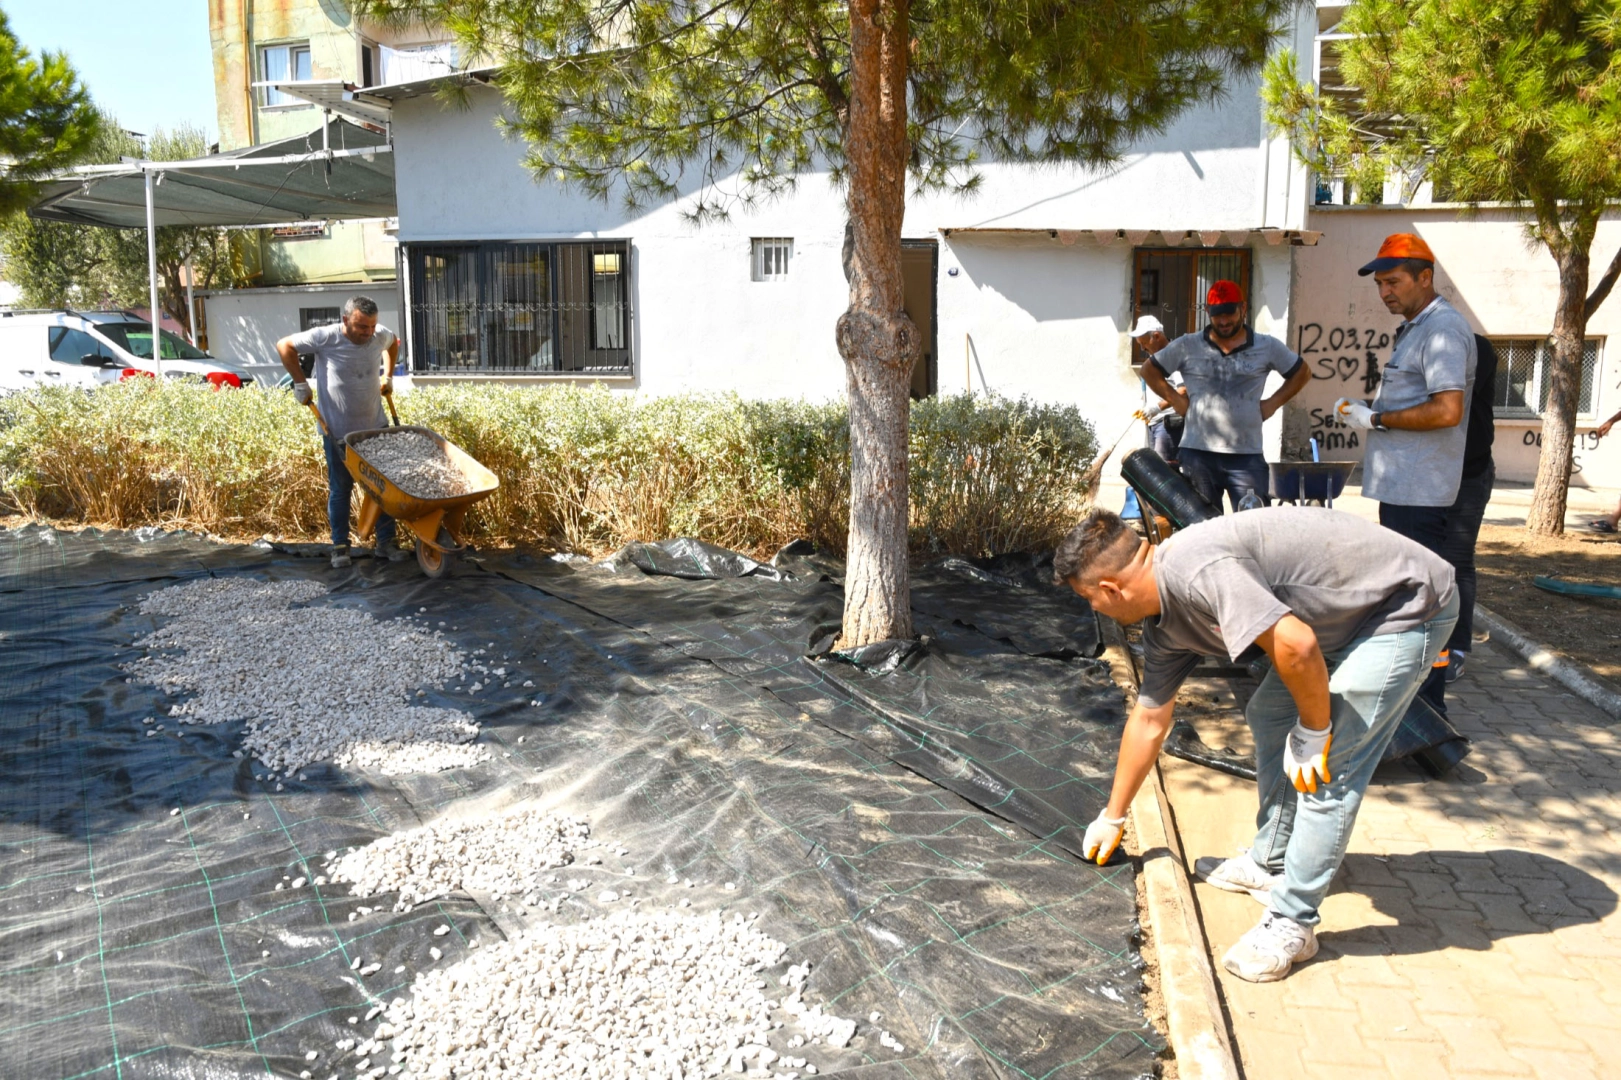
[[1427, 526], [1463, 529]]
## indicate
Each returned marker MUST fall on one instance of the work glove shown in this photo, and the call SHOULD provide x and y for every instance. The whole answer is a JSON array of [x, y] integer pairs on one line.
[[1354, 413], [1305, 757], [1102, 837], [388, 386], [301, 393]]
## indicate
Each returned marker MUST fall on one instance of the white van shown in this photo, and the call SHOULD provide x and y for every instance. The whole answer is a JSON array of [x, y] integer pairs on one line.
[[77, 348]]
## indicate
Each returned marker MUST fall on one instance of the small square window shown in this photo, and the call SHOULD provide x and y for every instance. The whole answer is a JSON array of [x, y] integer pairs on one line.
[[605, 262], [282, 64], [770, 258]]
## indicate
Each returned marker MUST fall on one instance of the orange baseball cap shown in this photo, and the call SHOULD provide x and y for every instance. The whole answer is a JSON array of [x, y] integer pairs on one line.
[[1222, 294], [1397, 248]]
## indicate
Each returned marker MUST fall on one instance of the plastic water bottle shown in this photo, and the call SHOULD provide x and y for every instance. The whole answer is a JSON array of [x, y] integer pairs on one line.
[[1250, 501]]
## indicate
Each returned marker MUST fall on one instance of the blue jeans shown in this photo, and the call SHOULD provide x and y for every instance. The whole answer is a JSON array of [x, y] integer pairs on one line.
[[340, 493], [1236, 474], [1370, 684]]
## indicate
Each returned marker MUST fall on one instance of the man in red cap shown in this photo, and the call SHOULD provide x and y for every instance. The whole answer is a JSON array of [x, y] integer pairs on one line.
[[1224, 371], [1418, 423]]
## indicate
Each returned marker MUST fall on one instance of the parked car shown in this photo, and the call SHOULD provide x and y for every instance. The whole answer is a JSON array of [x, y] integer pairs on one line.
[[90, 348]]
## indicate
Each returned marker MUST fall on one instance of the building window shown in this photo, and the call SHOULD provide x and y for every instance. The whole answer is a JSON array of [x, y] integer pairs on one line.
[[281, 64], [1171, 283], [521, 307], [369, 65], [770, 258], [311, 317], [1522, 376]]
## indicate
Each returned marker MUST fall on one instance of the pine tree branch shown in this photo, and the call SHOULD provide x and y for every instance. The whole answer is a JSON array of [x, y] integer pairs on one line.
[[1602, 289]]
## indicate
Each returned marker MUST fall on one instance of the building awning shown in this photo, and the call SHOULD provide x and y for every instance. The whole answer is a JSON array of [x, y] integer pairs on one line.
[[375, 104], [348, 174], [1170, 237]]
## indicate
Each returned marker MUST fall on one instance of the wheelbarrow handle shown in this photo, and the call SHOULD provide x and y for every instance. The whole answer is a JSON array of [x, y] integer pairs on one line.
[[388, 396], [320, 421]]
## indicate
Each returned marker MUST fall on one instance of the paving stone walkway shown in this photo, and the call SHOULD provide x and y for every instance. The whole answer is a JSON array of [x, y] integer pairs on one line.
[[1473, 930]]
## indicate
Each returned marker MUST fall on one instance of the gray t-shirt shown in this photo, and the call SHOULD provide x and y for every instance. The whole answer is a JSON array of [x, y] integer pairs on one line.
[[1224, 390], [1434, 352], [1225, 582], [346, 377]]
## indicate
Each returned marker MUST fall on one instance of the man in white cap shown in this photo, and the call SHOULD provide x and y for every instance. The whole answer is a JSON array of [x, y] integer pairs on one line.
[[1164, 424]]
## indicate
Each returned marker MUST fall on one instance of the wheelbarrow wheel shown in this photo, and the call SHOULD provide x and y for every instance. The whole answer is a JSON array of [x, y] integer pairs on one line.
[[435, 563]]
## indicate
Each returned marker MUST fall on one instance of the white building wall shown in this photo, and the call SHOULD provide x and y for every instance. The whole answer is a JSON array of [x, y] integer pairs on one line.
[[1028, 302], [1501, 284], [245, 324]]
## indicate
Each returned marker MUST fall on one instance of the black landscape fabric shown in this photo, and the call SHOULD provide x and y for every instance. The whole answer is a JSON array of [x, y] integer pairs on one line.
[[905, 819]]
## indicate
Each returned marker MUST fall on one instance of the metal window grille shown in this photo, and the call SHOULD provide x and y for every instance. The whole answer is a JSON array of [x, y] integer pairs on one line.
[[521, 307], [309, 317], [771, 256], [1523, 376], [1171, 285]]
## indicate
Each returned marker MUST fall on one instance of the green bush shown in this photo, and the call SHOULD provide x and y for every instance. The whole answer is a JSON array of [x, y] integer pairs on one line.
[[582, 469]]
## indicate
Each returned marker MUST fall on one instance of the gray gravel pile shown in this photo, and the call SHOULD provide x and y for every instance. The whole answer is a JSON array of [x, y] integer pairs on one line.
[[504, 855], [416, 464], [633, 994], [310, 682]]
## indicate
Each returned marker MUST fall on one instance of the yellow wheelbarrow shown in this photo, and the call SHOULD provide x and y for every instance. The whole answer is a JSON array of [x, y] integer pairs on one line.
[[436, 523]]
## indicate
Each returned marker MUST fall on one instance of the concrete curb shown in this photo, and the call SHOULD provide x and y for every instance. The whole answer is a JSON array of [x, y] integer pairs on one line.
[[1579, 679], [1198, 1032], [1197, 1029]]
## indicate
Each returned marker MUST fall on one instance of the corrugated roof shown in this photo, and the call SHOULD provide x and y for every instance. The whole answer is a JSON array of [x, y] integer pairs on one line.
[[295, 179]]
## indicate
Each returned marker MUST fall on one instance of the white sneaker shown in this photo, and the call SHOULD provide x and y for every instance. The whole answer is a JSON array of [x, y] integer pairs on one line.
[[1237, 874], [1271, 948]]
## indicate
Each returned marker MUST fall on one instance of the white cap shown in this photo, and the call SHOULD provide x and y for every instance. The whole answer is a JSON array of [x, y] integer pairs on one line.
[[1146, 324]]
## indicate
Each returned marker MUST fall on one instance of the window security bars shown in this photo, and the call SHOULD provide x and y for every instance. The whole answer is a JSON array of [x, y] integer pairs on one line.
[[521, 308], [770, 257], [1523, 376]]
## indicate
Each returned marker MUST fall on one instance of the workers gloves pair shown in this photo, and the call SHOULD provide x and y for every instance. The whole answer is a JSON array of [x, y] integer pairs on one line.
[[1305, 763]]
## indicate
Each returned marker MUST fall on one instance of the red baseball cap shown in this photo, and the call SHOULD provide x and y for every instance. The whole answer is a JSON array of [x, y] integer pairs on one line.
[[1223, 297], [1397, 248]]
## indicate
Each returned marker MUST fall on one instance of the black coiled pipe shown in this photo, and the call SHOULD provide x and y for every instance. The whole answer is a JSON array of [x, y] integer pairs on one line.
[[1164, 489]]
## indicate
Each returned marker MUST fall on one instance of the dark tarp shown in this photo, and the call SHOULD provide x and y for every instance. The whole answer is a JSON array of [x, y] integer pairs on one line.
[[248, 192], [911, 832]]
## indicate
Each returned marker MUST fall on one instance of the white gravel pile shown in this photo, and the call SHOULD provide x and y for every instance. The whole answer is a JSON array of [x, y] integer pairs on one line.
[[634, 994], [416, 464], [311, 683], [503, 855]]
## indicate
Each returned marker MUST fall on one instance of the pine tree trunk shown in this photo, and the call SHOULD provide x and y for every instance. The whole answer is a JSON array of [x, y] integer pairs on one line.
[[880, 345], [1547, 514]]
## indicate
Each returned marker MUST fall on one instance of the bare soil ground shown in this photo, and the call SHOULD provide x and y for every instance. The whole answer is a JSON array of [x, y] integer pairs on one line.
[[1585, 629]]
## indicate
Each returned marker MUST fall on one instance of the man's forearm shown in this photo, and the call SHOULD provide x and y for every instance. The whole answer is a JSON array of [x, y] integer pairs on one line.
[[1291, 386], [289, 360], [1298, 660], [1443, 410], [1139, 748], [1158, 383]]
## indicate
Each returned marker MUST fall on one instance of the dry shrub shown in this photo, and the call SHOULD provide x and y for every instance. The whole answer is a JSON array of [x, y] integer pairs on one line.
[[583, 469]]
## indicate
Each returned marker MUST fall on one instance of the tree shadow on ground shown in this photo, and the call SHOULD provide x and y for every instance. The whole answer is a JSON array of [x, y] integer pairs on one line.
[[1465, 900]]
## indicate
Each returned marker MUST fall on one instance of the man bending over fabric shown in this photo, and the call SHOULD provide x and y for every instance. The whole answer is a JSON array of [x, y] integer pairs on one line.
[[1352, 615]]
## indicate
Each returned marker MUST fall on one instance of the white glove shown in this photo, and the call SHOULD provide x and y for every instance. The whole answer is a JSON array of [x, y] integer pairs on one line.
[[1354, 413], [1305, 757], [1102, 837], [301, 393]]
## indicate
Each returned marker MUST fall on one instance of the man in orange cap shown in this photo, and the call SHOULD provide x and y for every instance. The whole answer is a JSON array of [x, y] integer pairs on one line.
[[1417, 425], [1224, 371]]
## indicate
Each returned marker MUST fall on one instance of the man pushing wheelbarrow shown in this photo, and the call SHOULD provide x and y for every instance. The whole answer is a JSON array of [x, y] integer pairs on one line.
[[349, 356]]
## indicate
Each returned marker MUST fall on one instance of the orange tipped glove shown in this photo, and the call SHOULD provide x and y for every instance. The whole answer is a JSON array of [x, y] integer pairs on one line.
[[1102, 837], [1305, 757]]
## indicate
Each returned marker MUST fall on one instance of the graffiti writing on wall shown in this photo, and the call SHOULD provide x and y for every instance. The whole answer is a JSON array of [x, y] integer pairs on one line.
[[1331, 432], [1346, 353], [1583, 440]]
